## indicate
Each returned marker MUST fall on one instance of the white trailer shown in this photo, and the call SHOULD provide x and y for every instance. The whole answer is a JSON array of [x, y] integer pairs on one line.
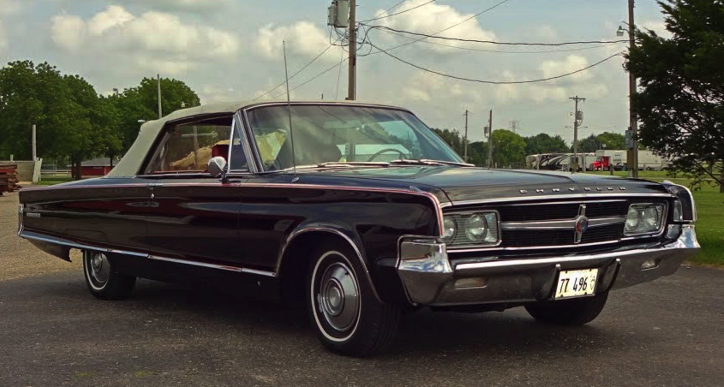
[[650, 162]]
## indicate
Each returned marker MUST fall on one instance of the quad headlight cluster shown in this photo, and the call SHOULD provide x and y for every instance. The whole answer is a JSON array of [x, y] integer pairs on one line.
[[643, 219], [479, 228]]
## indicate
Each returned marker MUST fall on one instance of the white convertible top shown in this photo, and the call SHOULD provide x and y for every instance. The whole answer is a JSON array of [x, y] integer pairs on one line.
[[131, 161]]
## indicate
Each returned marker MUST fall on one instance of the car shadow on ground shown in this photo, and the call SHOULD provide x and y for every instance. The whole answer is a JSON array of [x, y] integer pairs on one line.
[[423, 333]]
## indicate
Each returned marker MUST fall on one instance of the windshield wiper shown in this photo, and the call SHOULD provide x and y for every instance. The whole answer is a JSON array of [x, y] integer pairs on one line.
[[430, 162], [336, 164]]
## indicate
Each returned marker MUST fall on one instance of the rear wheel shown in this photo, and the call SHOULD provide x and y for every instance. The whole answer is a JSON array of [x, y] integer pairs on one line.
[[579, 311], [346, 314], [102, 280]]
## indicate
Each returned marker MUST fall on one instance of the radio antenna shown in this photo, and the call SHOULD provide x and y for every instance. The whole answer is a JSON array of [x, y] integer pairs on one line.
[[289, 109]]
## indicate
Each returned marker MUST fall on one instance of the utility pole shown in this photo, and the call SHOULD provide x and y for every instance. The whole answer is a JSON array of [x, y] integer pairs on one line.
[[160, 111], [465, 140], [35, 154], [577, 119], [633, 154], [352, 81], [490, 140]]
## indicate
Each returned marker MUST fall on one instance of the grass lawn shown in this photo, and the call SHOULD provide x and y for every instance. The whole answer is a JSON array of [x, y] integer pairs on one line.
[[710, 208]]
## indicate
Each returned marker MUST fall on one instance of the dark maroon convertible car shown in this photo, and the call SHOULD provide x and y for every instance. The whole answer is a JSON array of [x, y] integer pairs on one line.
[[361, 212]]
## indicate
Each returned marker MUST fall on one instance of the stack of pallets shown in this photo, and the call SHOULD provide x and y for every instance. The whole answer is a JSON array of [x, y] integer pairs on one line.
[[8, 178]]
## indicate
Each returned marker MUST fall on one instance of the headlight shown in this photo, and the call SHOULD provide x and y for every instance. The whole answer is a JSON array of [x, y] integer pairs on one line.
[[450, 229], [479, 228], [644, 219], [476, 228]]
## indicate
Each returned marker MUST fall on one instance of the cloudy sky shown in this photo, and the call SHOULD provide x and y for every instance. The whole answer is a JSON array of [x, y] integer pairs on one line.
[[232, 50]]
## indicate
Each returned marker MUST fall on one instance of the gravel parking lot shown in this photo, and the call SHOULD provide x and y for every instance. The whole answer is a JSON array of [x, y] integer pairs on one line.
[[53, 333]]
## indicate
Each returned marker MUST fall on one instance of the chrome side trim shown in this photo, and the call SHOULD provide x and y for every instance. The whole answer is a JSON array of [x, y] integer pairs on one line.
[[568, 224], [556, 197], [212, 266], [354, 246], [81, 246]]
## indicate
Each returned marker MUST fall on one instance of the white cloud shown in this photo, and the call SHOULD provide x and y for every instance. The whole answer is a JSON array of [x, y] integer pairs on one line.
[[68, 31], [3, 38], [116, 28], [552, 68], [113, 16], [9, 7], [179, 5], [212, 93], [153, 40], [431, 19], [658, 26], [303, 38], [546, 33]]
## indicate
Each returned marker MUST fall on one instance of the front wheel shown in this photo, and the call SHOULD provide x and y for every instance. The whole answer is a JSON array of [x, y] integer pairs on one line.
[[102, 280], [346, 314], [579, 311]]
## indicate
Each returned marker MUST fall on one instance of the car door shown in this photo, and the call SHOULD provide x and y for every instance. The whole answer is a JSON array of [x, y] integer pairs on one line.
[[196, 215]]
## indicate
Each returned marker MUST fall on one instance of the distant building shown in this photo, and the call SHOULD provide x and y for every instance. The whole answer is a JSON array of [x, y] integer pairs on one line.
[[96, 167]]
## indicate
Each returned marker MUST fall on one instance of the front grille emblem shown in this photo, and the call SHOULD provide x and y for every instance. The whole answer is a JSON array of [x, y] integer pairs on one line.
[[581, 224]]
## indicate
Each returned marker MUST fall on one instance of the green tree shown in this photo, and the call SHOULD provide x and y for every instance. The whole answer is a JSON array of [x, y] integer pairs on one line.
[[681, 102], [452, 138], [612, 140], [36, 94], [589, 144], [141, 103], [508, 149], [544, 143]]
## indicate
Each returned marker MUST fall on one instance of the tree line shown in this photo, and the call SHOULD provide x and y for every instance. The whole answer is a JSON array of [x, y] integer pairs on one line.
[[510, 149], [75, 123]]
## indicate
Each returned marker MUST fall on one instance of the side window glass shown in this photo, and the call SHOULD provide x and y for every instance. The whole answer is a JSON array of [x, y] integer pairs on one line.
[[189, 147], [238, 157]]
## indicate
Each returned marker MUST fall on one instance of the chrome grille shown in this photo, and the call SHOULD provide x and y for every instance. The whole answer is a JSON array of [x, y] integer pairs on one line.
[[554, 224]]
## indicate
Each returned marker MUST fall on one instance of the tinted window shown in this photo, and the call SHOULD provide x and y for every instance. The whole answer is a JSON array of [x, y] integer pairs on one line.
[[328, 133], [189, 147]]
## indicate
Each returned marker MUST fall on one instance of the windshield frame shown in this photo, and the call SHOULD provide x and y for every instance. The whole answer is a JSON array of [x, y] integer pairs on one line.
[[249, 132]]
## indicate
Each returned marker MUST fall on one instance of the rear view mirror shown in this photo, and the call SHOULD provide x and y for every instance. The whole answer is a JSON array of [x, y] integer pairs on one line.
[[217, 166]]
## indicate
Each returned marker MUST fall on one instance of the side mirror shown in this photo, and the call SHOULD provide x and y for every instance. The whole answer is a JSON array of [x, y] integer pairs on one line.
[[217, 166]]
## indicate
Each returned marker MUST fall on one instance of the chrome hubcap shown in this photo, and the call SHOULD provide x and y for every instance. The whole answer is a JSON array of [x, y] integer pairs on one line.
[[100, 268], [338, 297]]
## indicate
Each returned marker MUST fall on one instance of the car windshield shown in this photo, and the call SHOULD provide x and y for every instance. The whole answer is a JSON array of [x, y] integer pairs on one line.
[[344, 135]]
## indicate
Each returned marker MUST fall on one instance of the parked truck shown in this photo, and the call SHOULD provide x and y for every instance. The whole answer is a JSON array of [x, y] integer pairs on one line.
[[616, 159]]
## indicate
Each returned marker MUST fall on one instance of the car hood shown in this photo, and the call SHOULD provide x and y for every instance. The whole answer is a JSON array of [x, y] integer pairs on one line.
[[464, 183]]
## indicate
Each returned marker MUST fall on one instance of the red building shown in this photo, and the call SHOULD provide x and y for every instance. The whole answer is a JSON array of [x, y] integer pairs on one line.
[[95, 167]]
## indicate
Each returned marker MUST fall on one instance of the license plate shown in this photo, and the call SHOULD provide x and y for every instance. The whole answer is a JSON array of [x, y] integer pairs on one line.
[[576, 283]]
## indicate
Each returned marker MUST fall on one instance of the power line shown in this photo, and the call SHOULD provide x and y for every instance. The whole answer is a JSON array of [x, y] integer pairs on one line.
[[398, 13], [298, 71], [495, 82], [503, 51], [313, 78], [448, 28], [426, 36]]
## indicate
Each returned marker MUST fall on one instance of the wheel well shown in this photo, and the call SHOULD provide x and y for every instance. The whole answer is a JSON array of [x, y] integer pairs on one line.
[[296, 260]]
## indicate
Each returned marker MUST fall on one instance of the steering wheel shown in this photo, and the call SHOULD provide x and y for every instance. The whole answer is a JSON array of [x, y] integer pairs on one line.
[[374, 156]]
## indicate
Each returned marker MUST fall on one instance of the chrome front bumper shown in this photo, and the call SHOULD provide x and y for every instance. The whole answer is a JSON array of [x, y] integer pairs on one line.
[[430, 279]]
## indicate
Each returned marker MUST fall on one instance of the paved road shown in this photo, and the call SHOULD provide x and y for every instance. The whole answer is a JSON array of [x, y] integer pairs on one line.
[[53, 333]]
